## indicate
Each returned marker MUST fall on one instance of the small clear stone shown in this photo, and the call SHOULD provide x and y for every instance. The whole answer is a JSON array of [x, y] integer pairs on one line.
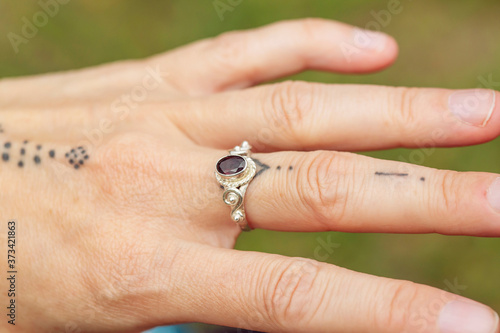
[[231, 165]]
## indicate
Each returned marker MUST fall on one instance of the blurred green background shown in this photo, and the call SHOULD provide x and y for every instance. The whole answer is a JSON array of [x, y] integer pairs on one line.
[[442, 44]]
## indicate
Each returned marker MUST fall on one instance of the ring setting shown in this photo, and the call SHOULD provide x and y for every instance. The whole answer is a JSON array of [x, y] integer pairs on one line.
[[234, 172]]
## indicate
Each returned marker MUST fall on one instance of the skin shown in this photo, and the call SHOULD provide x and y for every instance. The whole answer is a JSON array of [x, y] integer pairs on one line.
[[138, 236]]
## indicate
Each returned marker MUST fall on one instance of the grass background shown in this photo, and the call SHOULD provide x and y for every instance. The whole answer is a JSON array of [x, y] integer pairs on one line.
[[442, 44]]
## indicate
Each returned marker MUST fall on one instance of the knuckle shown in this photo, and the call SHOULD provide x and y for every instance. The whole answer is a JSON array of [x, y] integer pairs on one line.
[[324, 184], [402, 297], [126, 269], [401, 110], [126, 169], [289, 103], [290, 291], [445, 198], [229, 49], [310, 27]]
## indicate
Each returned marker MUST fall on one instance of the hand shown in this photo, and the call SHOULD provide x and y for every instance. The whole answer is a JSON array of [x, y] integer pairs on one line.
[[108, 173]]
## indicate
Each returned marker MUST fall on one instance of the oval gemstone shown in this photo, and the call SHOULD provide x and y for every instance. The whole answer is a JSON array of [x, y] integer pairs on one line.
[[231, 165]]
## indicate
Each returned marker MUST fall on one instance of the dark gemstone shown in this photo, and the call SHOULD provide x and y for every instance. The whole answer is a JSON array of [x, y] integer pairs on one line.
[[231, 165]]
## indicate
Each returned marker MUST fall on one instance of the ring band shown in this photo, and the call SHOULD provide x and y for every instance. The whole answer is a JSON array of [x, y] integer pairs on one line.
[[234, 172]]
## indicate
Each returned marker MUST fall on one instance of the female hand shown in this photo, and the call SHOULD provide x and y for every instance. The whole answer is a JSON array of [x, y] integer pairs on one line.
[[109, 175]]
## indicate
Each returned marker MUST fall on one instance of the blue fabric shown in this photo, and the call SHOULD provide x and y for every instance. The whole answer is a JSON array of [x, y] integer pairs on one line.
[[170, 329]]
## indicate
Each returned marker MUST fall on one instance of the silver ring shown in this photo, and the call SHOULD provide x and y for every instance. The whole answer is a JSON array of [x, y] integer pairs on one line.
[[234, 172]]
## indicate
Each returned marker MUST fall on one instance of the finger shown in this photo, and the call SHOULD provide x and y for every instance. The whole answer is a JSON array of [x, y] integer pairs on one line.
[[323, 190], [244, 58], [309, 116], [120, 84], [272, 293]]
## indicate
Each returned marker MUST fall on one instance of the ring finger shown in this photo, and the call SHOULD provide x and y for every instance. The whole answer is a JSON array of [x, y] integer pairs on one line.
[[323, 190]]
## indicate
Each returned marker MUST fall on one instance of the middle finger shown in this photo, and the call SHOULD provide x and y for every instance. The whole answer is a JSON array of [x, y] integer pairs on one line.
[[309, 116]]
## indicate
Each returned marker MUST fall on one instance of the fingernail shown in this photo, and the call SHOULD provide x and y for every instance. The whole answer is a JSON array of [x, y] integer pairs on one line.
[[473, 106], [369, 40], [467, 317], [493, 195]]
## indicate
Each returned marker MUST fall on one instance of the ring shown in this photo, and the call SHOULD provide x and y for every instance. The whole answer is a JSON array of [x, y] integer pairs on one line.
[[234, 172]]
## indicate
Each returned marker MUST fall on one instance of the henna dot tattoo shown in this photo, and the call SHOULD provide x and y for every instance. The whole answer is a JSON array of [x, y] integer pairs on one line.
[[52, 153], [20, 164], [22, 151], [5, 157], [37, 159], [7, 145]]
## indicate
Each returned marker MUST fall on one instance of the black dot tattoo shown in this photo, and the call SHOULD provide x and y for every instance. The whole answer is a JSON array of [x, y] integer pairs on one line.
[[7, 145], [25, 142], [52, 153], [262, 166], [22, 151], [38, 147], [76, 156], [20, 164], [5, 157], [37, 159], [278, 167], [290, 168], [422, 179]]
